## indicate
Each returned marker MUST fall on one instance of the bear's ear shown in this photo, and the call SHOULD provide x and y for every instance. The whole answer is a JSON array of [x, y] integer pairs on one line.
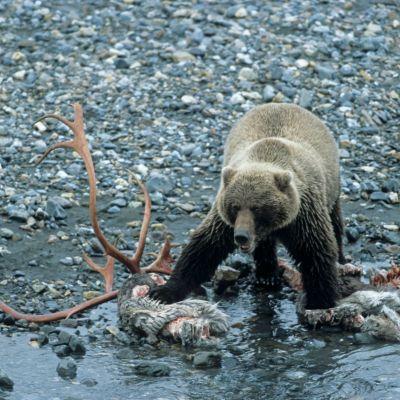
[[227, 175], [283, 179]]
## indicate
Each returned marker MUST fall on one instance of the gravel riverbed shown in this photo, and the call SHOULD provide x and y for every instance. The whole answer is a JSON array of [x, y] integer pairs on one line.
[[161, 83]]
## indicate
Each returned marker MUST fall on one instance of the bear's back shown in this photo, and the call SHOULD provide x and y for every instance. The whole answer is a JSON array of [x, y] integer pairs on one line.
[[295, 124]]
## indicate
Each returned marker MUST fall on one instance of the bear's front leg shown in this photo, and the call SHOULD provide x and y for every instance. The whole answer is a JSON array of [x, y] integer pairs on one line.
[[266, 260], [312, 244], [210, 244]]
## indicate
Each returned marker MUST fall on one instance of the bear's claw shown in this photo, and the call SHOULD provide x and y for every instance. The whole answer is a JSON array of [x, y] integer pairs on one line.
[[272, 281]]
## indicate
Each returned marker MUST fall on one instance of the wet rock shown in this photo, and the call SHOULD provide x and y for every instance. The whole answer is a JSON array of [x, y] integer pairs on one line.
[[67, 368], [352, 234], [89, 382], [77, 346], [6, 383], [224, 277], [6, 233], [152, 369], [62, 351], [207, 359]]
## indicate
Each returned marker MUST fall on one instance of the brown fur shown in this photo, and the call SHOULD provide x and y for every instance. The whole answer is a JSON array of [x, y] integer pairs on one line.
[[280, 183]]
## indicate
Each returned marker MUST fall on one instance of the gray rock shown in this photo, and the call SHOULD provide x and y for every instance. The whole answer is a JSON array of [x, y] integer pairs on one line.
[[55, 209], [347, 70], [247, 74], [268, 93], [62, 350], [305, 98], [325, 72], [180, 56], [158, 182], [69, 261], [89, 382], [152, 369], [121, 63], [67, 368], [352, 234], [18, 214], [379, 196], [6, 233], [6, 383], [207, 359], [76, 345], [114, 210]]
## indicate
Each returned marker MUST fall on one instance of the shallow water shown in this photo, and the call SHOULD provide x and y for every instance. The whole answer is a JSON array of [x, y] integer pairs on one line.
[[269, 356]]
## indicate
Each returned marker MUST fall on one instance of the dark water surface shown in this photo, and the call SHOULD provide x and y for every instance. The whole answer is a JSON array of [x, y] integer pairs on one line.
[[269, 355]]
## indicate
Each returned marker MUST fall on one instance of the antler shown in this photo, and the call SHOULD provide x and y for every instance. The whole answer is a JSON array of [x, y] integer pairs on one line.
[[161, 264], [80, 145]]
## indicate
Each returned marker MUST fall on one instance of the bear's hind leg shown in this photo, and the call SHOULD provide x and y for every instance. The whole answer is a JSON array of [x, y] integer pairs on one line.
[[266, 260], [338, 228]]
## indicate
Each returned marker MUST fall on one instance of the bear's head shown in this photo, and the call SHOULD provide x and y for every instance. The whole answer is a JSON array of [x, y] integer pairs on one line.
[[256, 200]]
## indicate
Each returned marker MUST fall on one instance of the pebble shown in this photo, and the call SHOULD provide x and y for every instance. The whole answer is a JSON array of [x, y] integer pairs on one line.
[[6, 233], [305, 98], [55, 209], [268, 93], [182, 56], [189, 100], [237, 98], [67, 368], [379, 196], [247, 74], [301, 63]]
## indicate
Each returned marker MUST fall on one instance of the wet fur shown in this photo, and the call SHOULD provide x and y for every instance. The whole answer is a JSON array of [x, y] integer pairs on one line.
[[305, 217]]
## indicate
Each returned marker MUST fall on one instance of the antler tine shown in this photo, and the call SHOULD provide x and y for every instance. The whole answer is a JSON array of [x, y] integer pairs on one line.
[[107, 271], [145, 223], [69, 144], [163, 260]]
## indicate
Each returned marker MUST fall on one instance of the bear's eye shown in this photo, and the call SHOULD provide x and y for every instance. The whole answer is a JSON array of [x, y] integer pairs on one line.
[[255, 210], [235, 209]]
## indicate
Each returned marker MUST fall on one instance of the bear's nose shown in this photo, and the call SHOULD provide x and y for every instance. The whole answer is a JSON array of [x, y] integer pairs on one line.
[[242, 237]]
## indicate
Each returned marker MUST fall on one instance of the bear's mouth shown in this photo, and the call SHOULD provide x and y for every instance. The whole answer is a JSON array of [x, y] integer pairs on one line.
[[245, 248]]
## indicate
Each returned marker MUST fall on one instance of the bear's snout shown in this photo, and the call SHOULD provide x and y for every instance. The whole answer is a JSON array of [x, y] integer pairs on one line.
[[244, 232]]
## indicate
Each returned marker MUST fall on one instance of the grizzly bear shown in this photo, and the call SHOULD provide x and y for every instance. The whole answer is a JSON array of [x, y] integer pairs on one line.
[[279, 184]]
